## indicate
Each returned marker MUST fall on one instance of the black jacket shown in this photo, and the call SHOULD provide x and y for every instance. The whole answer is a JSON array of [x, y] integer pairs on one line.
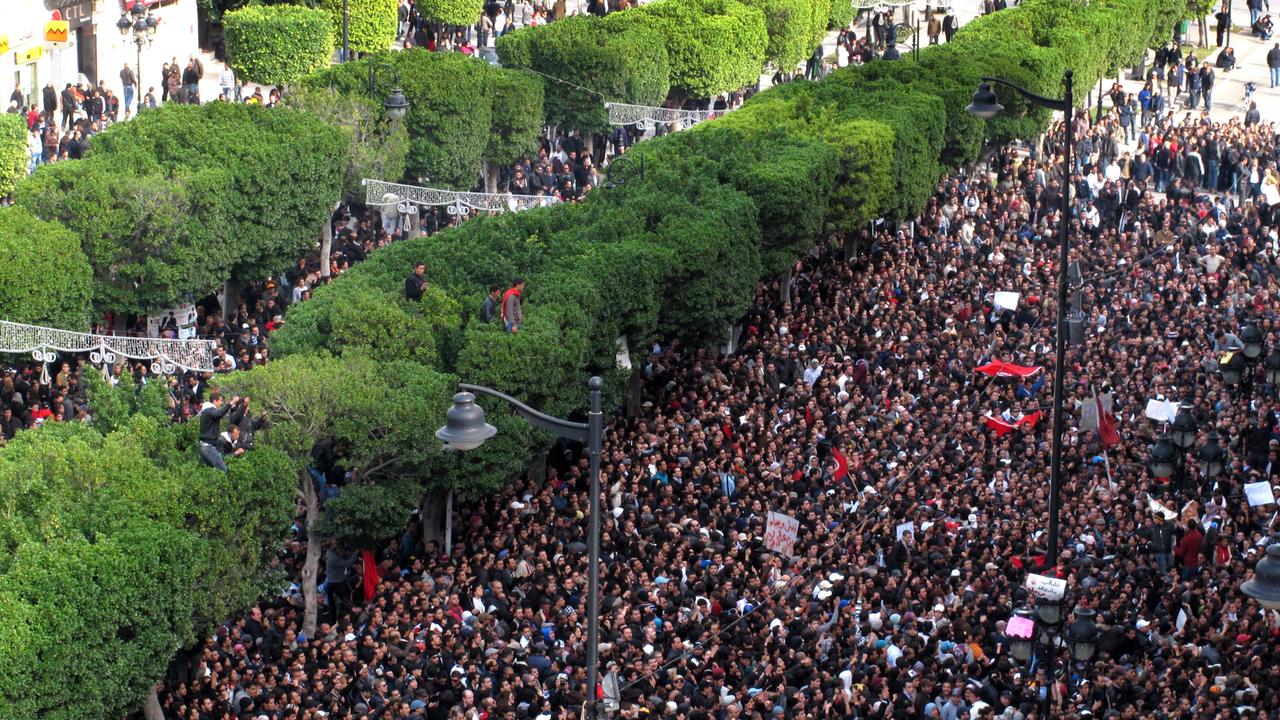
[[210, 420]]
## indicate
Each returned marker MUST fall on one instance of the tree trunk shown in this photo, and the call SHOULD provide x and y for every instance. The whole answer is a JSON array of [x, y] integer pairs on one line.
[[491, 175], [431, 515], [311, 566], [326, 240], [151, 706], [784, 287], [634, 386], [230, 298]]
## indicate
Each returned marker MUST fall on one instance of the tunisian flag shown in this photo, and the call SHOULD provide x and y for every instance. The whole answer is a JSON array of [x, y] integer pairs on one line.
[[1107, 432], [370, 579], [1000, 368], [842, 465], [1002, 427]]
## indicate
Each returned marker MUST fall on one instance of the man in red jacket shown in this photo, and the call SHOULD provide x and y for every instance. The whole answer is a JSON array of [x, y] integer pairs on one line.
[[1188, 550]]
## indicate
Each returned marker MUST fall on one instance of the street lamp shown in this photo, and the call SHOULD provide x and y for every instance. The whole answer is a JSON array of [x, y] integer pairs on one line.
[[985, 105], [891, 43], [1265, 584], [465, 429], [1168, 457], [1042, 645], [1237, 367], [396, 104], [143, 25]]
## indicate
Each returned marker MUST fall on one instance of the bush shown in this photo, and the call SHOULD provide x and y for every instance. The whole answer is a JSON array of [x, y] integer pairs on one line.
[[452, 12], [449, 115], [517, 99], [795, 28], [371, 24], [714, 46], [277, 44], [45, 278], [624, 62], [14, 156], [173, 203], [840, 15]]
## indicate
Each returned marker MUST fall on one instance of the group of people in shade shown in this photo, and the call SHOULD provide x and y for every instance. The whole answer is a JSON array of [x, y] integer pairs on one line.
[[853, 406]]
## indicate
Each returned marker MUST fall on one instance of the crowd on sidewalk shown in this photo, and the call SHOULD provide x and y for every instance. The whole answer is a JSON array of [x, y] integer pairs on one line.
[[855, 408]]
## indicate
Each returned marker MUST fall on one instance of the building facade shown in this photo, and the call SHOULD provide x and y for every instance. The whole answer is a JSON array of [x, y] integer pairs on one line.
[[78, 41]]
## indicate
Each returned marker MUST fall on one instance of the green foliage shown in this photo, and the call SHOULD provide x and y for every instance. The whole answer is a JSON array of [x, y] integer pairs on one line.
[[277, 44], [623, 62], [714, 46], [116, 551], [378, 146], [452, 12], [517, 99], [45, 278], [173, 203], [368, 514], [840, 15], [371, 24], [795, 28], [13, 152], [451, 112]]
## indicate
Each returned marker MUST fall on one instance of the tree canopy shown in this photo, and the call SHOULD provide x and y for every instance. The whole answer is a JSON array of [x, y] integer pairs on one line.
[[45, 278]]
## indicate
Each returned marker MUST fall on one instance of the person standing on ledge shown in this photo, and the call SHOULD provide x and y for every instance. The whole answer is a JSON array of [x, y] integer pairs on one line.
[[512, 313]]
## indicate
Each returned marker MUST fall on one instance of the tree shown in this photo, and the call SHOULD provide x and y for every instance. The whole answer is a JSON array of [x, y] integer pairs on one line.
[[517, 120], [381, 416], [715, 46], [452, 12], [449, 112], [371, 24], [175, 202], [119, 549], [45, 278], [278, 44], [795, 28], [13, 152], [617, 62]]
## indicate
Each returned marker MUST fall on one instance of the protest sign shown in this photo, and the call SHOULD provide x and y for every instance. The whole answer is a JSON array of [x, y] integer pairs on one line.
[[1043, 586], [909, 526], [780, 533], [1259, 493]]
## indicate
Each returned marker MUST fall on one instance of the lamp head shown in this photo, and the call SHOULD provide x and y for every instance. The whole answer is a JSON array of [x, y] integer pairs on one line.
[[1185, 429], [396, 105], [1213, 459], [124, 24], [1253, 341], [1265, 584], [138, 10], [464, 426], [1162, 458], [985, 105]]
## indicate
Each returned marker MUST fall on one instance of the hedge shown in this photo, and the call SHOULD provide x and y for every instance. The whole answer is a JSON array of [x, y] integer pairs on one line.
[[452, 12], [616, 61], [715, 46], [795, 28], [173, 203], [462, 111], [276, 44], [45, 278], [371, 24], [14, 156], [841, 14]]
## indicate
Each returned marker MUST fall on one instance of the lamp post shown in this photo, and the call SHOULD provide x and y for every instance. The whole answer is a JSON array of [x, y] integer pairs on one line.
[[1045, 633], [465, 429], [891, 43], [143, 25], [1168, 456], [1237, 367], [1265, 584], [985, 105], [396, 104]]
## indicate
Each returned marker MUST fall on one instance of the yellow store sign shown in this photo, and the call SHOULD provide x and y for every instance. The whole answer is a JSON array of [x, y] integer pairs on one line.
[[4, 44], [55, 31], [29, 55]]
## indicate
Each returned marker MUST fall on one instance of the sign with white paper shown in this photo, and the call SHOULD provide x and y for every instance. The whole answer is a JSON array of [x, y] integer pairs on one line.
[[1045, 587], [906, 527], [780, 533], [1162, 410], [1259, 493], [1007, 300]]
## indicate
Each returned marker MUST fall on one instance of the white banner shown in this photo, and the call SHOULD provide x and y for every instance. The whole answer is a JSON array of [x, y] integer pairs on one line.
[[1043, 586]]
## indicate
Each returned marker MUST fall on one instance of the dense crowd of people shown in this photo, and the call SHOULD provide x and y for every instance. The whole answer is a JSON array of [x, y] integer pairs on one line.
[[856, 409]]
